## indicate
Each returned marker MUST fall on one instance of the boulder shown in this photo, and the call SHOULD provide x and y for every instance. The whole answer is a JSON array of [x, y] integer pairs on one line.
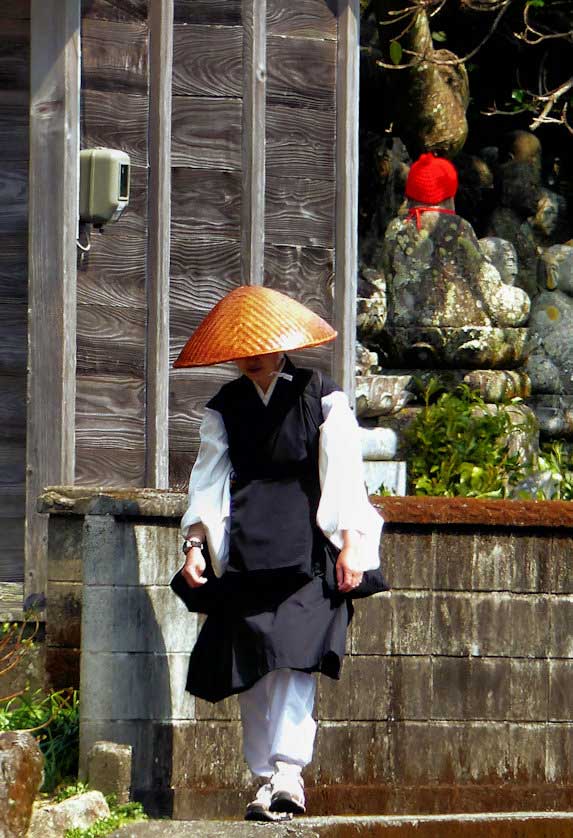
[[50, 820], [21, 775]]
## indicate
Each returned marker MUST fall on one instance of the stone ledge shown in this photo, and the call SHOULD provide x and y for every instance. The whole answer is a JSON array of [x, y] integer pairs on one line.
[[475, 511], [129, 503], [518, 825], [165, 503]]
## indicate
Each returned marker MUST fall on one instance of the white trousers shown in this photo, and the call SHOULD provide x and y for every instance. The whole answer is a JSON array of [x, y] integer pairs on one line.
[[277, 720]]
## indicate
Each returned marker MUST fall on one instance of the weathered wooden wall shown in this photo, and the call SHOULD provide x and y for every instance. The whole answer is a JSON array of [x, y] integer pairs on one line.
[[112, 303], [227, 118], [14, 151], [252, 159], [205, 197]]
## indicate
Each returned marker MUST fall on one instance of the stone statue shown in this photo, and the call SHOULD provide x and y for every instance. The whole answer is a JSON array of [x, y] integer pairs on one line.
[[550, 364], [529, 215], [447, 305]]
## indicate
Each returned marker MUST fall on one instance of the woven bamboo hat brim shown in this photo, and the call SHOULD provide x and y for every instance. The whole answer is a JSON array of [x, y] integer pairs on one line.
[[252, 320]]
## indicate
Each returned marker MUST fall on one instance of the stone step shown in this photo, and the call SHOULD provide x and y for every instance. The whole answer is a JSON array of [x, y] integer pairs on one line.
[[502, 825]]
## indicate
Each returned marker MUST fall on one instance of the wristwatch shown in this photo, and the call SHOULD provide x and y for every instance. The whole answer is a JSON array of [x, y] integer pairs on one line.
[[189, 543]]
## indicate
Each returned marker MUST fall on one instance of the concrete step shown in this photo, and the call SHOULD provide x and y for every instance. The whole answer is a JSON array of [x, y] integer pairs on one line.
[[502, 825]]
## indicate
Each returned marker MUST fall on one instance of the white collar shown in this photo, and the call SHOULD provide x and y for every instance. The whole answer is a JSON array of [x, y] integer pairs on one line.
[[266, 397]]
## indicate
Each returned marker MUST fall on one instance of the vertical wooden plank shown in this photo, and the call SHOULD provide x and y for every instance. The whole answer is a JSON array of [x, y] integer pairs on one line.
[[157, 364], [346, 193], [53, 227], [254, 96]]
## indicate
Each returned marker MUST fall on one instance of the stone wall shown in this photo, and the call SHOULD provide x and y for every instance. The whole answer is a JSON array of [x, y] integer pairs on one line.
[[455, 695]]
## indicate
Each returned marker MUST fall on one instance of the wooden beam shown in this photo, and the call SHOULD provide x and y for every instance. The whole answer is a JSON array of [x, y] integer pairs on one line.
[[159, 242], [254, 104], [346, 194], [11, 602], [53, 228]]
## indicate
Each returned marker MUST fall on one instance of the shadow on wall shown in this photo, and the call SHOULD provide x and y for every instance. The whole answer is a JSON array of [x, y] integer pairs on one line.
[[136, 638]]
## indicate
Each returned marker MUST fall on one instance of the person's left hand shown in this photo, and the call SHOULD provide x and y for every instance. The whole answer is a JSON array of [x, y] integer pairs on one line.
[[348, 576]]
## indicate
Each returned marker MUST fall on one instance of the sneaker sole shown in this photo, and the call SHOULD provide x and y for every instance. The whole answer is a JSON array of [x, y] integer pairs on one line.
[[262, 815], [283, 802]]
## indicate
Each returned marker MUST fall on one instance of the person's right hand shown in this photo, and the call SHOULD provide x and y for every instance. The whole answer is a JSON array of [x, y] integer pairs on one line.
[[194, 568]]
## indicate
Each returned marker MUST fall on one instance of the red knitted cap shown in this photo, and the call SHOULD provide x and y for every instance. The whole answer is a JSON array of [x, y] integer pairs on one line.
[[431, 179]]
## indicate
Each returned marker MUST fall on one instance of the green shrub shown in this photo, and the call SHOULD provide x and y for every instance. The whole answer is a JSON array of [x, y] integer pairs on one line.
[[456, 446], [556, 460], [53, 719]]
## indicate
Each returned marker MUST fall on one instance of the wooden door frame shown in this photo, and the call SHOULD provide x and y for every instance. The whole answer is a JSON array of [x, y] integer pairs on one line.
[[52, 271], [346, 239]]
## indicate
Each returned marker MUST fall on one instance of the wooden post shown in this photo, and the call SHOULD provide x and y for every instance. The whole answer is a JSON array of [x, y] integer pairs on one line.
[[159, 242], [346, 194], [254, 94], [53, 230]]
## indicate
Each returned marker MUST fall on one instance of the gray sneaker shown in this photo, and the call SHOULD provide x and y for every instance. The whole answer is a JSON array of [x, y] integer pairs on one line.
[[259, 809], [287, 790]]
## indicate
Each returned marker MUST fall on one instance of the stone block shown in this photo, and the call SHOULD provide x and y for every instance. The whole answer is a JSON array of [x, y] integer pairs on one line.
[[407, 557], [144, 741], [377, 444], [381, 395], [529, 690], [136, 619], [65, 540], [451, 683], [126, 552], [159, 551], [208, 755], [333, 698], [64, 614], [410, 688], [52, 820], [371, 754], [492, 632], [486, 755], [452, 623], [109, 769], [332, 763], [470, 688], [561, 579], [492, 562], [559, 753], [429, 752], [21, 766], [379, 475], [372, 625], [411, 623], [527, 753], [531, 565], [561, 620], [134, 686], [530, 631], [368, 693], [454, 556], [560, 690], [226, 710], [490, 688]]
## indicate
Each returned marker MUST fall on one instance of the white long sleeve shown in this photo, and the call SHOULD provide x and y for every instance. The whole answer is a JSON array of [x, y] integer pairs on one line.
[[344, 503], [209, 490]]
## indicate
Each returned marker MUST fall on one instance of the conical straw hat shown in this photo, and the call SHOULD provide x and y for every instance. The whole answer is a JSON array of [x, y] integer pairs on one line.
[[252, 320]]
